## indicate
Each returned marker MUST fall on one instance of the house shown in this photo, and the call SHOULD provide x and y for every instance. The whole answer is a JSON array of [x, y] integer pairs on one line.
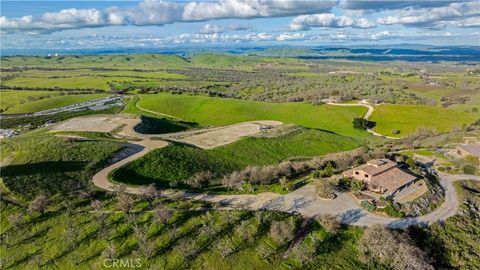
[[371, 101], [465, 150], [382, 176]]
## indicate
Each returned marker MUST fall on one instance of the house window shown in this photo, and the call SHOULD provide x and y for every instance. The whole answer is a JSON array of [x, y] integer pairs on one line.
[[366, 175], [357, 173]]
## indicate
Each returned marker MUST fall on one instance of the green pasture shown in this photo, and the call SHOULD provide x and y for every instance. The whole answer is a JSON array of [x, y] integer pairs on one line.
[[218, 111], [51, 103], [87, 82], [130, 62], [10, 99], [408, 118], [98, 73], [179, 162]]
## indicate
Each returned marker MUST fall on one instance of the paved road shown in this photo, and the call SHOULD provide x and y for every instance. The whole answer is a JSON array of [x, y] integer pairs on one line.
[[304, 200], [369, 113]]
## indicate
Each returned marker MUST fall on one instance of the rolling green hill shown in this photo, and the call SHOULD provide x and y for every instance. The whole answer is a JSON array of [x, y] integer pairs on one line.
[[51, 103], [179, 162], [10, 99], [408, 118], [217, 111]]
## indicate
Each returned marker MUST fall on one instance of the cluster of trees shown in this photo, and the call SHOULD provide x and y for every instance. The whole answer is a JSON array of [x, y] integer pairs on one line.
[[322, 166], [55, 88], [265, 175], [202, 90], [361, 123], [394, 249]]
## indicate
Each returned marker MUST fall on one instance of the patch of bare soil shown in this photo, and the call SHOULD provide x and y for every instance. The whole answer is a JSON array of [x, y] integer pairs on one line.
[[228, 134]]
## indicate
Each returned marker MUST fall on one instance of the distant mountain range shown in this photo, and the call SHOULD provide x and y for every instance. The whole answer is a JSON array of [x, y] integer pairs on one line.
[[401, 52]]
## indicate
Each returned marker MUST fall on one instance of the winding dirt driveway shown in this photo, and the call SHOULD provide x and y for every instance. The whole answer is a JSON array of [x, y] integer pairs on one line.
[[369, 113], [304, 200]]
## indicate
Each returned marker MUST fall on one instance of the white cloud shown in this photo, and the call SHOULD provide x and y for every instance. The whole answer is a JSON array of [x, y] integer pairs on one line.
[[433, 17], [330, 20], [159, 12], [148, 12], [211, 29], [74, 16], [290, 36], [469, 22], [194, 11], [310, 14], [379, 5], [239, 27]]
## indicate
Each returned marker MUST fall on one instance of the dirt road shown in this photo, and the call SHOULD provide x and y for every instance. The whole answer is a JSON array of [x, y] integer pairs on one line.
[[304, 200], [369, 113], [138, 149]]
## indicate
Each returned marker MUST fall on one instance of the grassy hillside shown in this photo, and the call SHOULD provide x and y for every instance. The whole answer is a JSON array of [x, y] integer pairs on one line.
[[408, 118], [87, 82], [191, 236], [10, 99], [51, 103], [454, 243], [218, 111], [177, 163], [143, 61], [41, 163], [298, 144]]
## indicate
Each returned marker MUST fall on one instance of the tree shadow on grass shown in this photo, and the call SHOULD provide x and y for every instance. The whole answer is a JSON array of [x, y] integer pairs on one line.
[[43, 167], [153, 125]]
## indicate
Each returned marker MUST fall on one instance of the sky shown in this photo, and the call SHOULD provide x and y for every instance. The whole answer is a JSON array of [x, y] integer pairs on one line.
[[158, 23]]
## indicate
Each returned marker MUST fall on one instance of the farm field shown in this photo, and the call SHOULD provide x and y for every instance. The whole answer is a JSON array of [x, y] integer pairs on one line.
[[216, 111], [39, 73], [177, 163], [111, 61], [87, 82], [155, 61], [10, 99], [51, 103], [408, 118]]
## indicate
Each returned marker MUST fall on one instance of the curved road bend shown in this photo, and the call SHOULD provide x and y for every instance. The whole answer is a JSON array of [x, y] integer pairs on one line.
[[369, 113]]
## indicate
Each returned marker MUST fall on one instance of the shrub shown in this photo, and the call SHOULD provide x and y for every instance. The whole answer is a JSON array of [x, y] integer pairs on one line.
[[282, 231], [39, 204], [326, 190], [344, 184], [392, 211], [368, 205], [348, 184], [200, 179], [469, 169]]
